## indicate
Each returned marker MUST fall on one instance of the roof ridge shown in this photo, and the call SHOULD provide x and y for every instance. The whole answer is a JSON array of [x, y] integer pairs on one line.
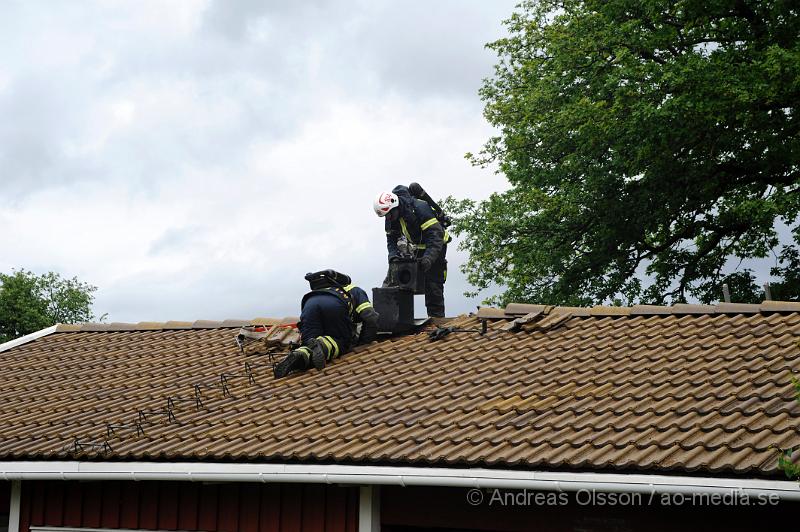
[[143, 326], [172, 325], [521, 309]]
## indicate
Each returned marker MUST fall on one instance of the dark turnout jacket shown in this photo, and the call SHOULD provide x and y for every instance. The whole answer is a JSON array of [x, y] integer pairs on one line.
[[354, 306], [419, 225]]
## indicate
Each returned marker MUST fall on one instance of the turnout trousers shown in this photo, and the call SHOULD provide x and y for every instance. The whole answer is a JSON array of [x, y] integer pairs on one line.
[[325, 318], [434, 285]]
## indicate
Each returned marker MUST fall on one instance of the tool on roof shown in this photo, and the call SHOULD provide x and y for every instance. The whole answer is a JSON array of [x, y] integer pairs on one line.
[[261, 339], [221, 385], [195, 400], [531, 317], [406, 250], [77, 445], [146, 416], [250, 334], [143, 415], [540, 320], [111, 429], [441, 332]]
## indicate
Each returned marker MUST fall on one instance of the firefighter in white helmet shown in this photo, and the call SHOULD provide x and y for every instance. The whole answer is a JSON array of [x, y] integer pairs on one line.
[[409, 216]]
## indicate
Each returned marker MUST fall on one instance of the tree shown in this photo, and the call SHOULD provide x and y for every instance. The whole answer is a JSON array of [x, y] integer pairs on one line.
[[29, 303], [650, 145]]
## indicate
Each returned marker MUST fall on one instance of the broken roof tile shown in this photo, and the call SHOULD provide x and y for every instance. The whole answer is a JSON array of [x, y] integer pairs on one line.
[[523, 308], [491, 313]]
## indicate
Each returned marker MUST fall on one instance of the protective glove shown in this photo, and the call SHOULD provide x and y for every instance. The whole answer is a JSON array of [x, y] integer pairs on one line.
[[426, 264], [394, 258]]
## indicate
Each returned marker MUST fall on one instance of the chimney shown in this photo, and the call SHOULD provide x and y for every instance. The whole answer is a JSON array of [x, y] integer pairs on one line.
[[395, 302]]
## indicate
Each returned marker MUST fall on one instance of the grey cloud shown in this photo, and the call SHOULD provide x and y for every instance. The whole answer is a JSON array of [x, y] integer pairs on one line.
[[416, 47], [38, 121], [233, 18], [218, 291], [46, 108], [435, 46], [176, 240]]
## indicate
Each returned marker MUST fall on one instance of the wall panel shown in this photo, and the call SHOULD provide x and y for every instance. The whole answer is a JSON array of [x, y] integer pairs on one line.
[[5, 496], [223, 507]]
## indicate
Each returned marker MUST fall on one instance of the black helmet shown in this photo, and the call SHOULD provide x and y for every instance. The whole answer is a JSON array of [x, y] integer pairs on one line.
[[327, 279]]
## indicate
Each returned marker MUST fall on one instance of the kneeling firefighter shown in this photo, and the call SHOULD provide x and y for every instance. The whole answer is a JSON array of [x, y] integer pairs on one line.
[[411, 215], [329, 316]]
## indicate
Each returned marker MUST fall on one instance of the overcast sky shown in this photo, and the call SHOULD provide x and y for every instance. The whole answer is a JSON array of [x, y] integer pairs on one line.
[[195, 158]]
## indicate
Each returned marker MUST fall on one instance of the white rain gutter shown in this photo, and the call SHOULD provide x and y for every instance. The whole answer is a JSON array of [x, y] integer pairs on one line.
[[397, 476], [27, 338]]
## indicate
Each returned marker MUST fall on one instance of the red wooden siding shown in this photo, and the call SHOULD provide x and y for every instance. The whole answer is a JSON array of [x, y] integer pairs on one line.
[[241, 507]]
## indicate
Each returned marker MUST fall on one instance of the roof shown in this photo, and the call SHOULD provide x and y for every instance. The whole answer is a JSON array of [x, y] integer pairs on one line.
[[687, 389]]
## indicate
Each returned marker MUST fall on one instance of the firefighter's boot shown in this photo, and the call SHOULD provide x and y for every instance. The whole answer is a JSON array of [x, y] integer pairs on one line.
[[297, 360]]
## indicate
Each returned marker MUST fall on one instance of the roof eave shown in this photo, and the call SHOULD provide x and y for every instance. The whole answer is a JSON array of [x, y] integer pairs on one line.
[[398, 476]]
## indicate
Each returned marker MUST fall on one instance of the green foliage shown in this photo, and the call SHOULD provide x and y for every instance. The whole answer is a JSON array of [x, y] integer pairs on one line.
[[648, 146], [789, 272], [29, 303], [785, 462], [742, 285]]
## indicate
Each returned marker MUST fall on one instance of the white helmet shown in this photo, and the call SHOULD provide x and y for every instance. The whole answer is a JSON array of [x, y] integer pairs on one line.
[[386, 202]]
